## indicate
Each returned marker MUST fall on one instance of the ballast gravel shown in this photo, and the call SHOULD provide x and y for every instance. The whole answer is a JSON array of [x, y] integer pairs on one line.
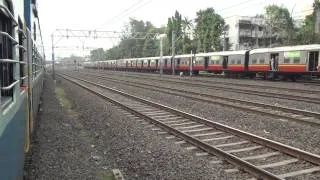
[[93, 137], [295, 134]]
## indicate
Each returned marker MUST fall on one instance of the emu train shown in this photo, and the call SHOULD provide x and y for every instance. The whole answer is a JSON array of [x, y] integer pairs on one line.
[[21, 80], [289, 61]]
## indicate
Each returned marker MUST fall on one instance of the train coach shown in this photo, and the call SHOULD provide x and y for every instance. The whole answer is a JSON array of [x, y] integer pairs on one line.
[[21, 82], [289, 61]]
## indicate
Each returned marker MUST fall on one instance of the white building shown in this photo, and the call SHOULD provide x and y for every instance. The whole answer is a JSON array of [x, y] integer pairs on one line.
[[248, 32]]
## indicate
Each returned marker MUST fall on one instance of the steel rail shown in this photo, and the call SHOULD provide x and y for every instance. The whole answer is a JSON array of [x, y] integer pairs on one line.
[[246, 166], [205, 98], [203, 80], [295, 152], [232, 89]]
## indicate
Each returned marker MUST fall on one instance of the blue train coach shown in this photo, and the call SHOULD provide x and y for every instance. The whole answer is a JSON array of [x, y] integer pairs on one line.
[[21, 81]]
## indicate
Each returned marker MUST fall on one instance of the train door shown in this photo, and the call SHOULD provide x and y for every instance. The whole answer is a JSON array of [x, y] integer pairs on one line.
[[246, 61], [157, 62], [225, 62], [313, 60], [274, 61], [149, 63], [178, 62], [206, 62], [165, 63], [126, 64]]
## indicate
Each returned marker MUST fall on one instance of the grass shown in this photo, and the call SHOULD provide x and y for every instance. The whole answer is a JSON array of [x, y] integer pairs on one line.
[[104, 176], [61, 95]]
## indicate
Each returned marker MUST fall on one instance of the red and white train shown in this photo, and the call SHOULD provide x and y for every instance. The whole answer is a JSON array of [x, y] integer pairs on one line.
[[289, 61]]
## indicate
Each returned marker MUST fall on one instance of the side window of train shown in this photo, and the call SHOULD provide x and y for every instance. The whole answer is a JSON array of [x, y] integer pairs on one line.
[[7, 82], [262, 60], [296, 60], [286, 60], [239, 61], [22, 50], [254, 60]]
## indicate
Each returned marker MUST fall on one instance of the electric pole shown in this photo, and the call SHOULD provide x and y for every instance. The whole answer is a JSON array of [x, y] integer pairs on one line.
[[161, 57], [53, 70], [173, 52], [317, 23]]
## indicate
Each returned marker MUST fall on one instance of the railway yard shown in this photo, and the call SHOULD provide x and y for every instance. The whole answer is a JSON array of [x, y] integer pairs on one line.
[[162, 127]]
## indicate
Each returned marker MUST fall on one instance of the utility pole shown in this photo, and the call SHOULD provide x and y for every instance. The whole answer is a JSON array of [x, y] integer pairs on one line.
[[224, 41], [191, 63], [53, 70], [161, 57], [317, 23], [173, 52]]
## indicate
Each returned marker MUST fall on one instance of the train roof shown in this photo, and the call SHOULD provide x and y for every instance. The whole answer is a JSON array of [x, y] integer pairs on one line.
[[183, 56], [287, 48], [222, 53]]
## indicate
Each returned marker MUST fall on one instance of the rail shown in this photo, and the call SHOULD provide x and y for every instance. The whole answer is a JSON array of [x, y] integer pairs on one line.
[[233, 159], [208, 98]]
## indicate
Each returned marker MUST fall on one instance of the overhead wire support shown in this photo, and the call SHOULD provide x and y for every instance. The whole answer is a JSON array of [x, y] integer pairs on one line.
[[82, 35]]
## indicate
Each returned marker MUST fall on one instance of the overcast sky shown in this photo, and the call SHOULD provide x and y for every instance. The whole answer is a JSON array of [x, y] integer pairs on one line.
[[113, 14]]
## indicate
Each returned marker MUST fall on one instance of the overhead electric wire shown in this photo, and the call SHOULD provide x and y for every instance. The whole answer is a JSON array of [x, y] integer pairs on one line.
[[235, 5], [122, 12], [128, 11]]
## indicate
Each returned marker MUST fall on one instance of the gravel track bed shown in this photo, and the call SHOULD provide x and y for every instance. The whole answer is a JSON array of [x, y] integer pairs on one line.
[[294, 134], [138, 152], [254, 98], [266, 90], [284, 84], [57, 152]]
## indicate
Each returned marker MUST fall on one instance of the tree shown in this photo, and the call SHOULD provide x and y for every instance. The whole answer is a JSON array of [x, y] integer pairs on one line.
[[175, 25], [280, 23], [97, 54], [306, 33], [151, 46], [208, 31]]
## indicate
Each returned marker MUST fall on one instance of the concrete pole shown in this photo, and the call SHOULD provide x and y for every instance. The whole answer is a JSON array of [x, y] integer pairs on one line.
[[161, 57], [173, 52], [191, 64], [53, 70]]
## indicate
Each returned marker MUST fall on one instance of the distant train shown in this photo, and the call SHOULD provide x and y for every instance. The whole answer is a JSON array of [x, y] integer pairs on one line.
[[289, 61], [21, 80]]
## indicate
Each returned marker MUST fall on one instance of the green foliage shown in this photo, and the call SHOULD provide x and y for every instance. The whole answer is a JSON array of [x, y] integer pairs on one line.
[[175, 25], [97, 54], [306, 33], [208, 30], [280, 23]]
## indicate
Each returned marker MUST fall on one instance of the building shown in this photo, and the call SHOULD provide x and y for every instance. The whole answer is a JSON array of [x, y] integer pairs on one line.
[[248, 32]]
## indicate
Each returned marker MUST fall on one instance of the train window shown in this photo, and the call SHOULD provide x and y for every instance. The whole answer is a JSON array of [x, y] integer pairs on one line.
[[296, 60], [254, 61], [239, 61], [286, 60], [232, 61], [7, 63], [262, 61], [21, 52]]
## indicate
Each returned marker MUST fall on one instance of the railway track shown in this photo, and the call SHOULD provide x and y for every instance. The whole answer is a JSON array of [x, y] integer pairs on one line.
[[302, 116], [261, 157], [307, 99], [204, 78]]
